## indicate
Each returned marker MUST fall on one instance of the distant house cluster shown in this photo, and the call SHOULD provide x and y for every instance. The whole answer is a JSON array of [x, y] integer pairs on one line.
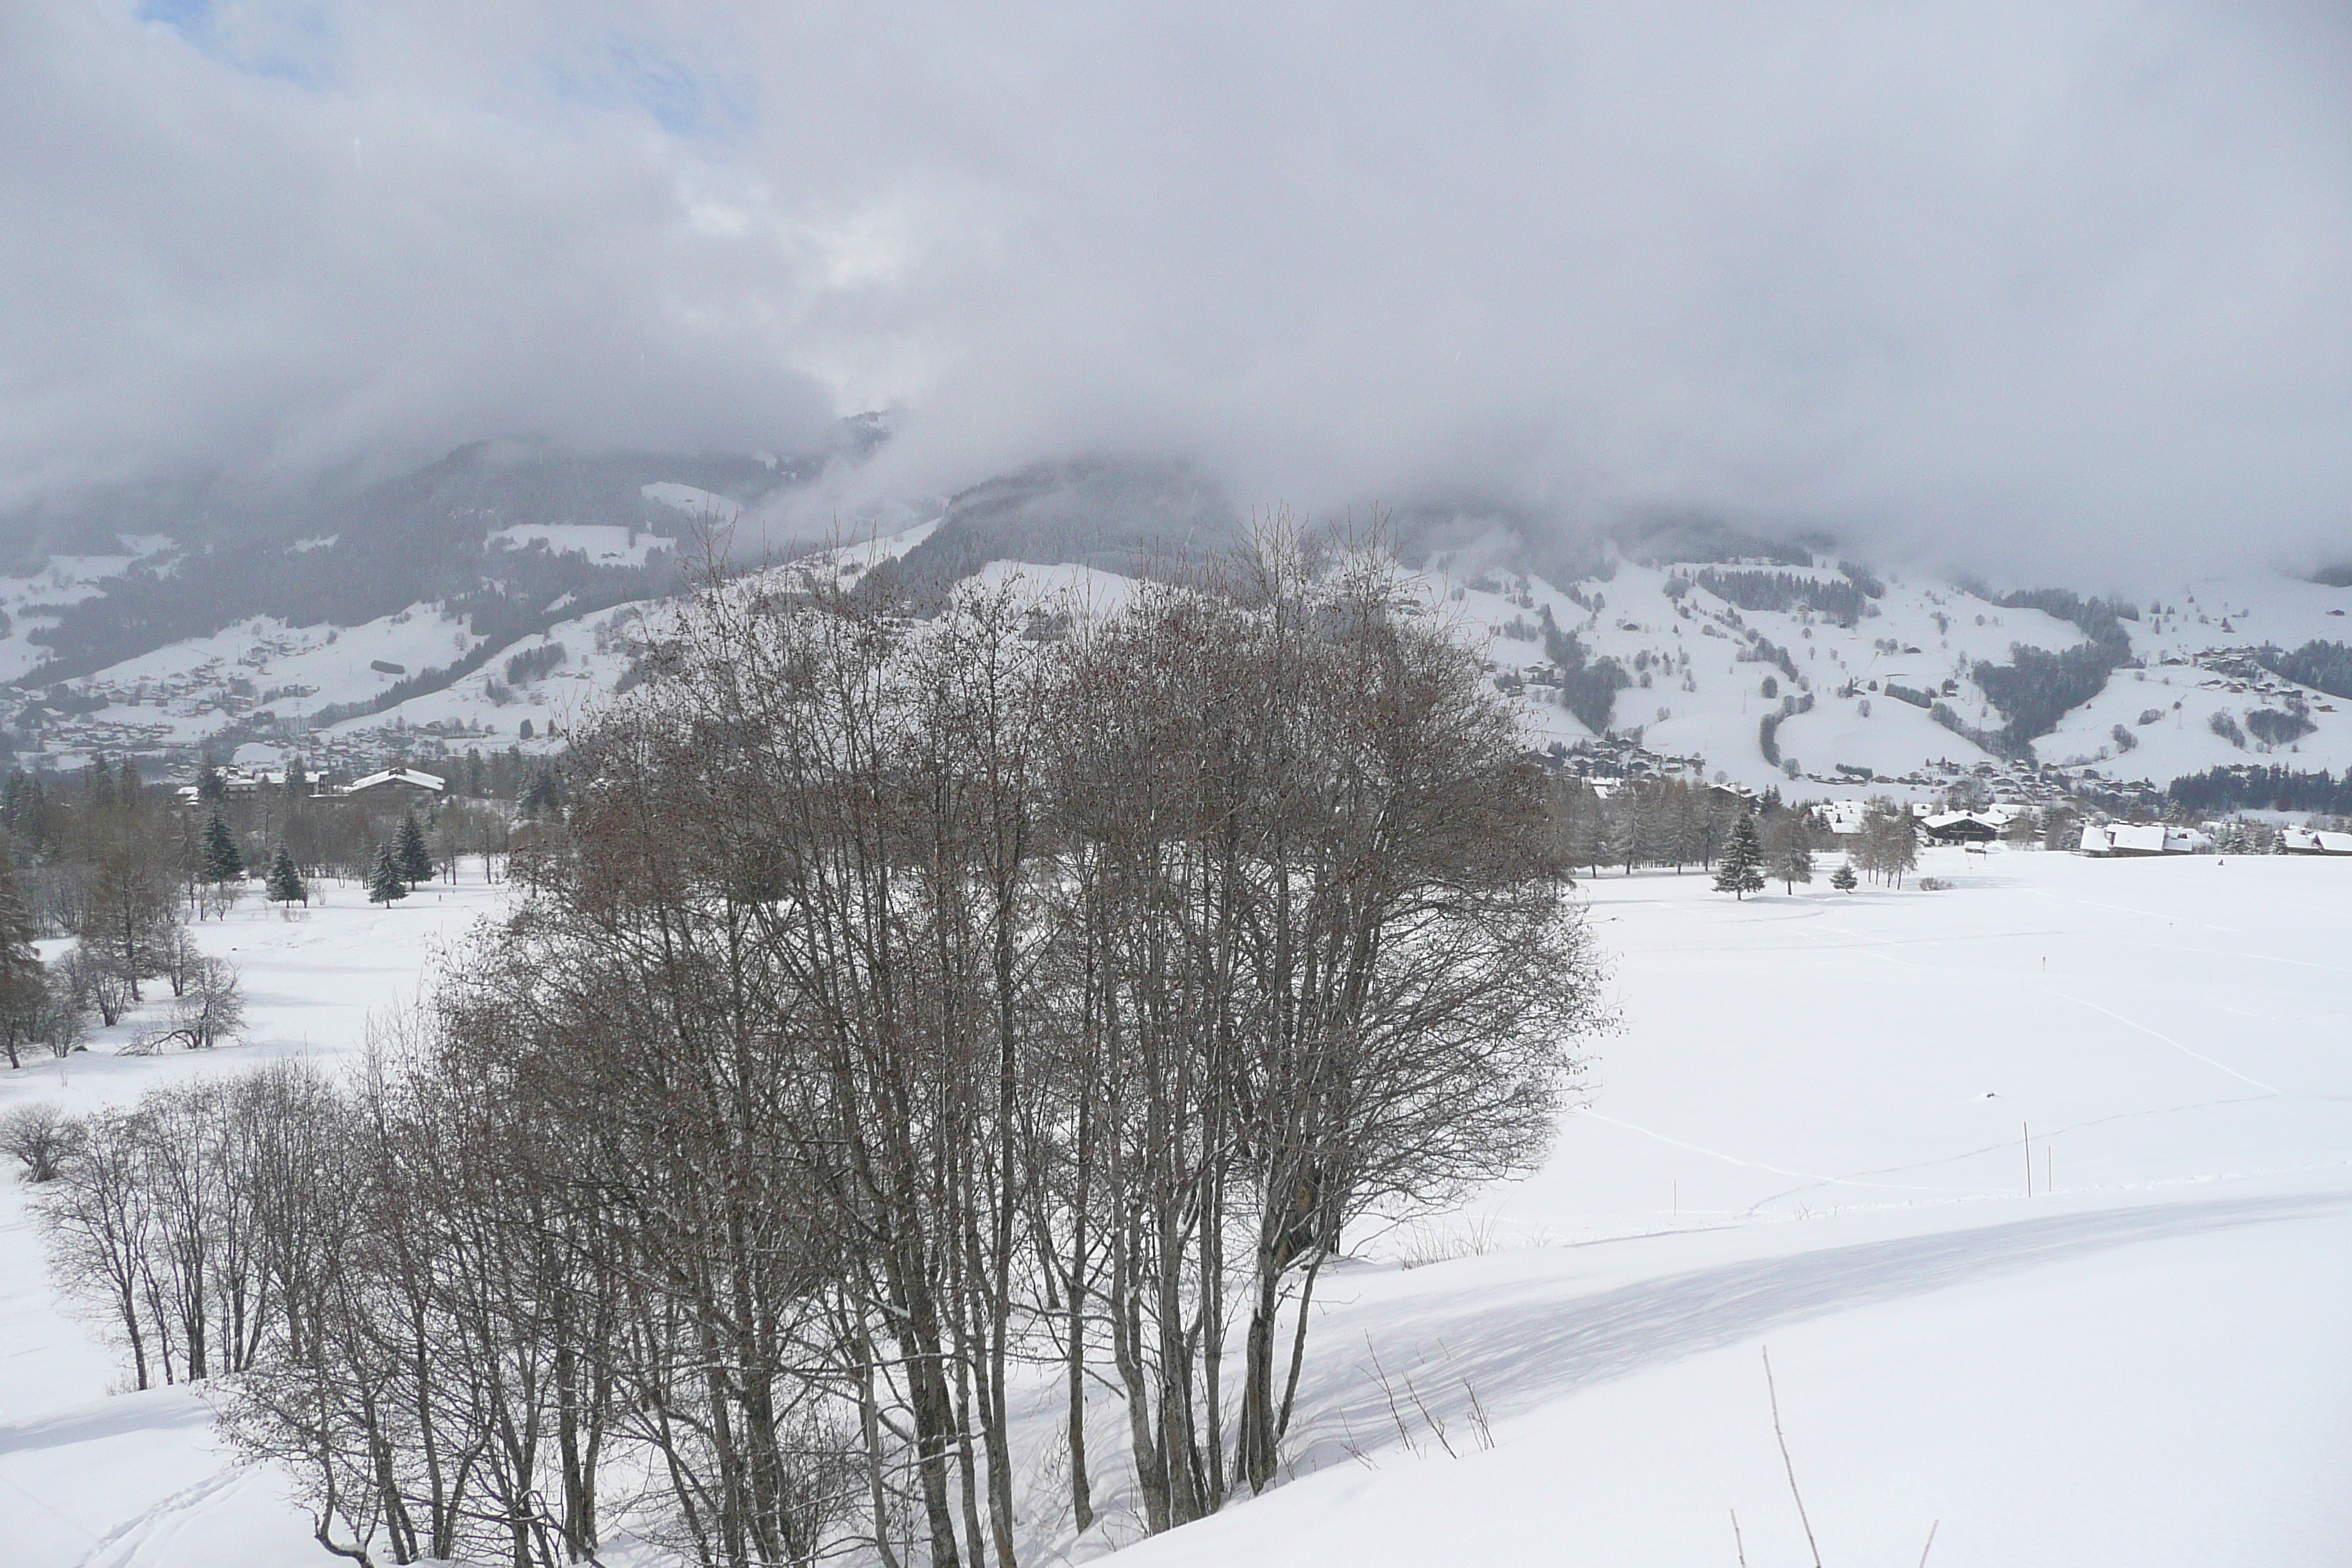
[[2314, 841], [389, 784], [1981, 826]]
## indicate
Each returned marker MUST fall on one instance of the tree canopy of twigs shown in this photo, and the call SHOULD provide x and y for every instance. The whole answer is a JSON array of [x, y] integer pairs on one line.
[[903, 1001]]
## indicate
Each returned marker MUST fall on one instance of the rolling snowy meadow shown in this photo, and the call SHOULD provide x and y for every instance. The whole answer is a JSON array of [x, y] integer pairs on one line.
[[2037, 1188]]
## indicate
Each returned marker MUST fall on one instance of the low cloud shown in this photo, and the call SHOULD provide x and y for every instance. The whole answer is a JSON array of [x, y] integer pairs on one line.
[[2013, 287]]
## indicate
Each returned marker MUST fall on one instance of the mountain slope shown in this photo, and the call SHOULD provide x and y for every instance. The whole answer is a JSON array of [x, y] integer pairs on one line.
[[393, 627]]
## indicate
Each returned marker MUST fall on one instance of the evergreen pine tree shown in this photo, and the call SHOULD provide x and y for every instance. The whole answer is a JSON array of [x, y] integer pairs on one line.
[[286, 884], [1741, 871], [410, 854], [298, 778], [543, 794], [1790, 858], [1586, 826], [210, 786], [22, 985], [1843, 878], [383, 882], [221, 861]]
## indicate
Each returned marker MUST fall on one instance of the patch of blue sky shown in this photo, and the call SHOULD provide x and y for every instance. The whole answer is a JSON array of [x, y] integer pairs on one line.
[[290, 40], [188, 16], [634, 73]]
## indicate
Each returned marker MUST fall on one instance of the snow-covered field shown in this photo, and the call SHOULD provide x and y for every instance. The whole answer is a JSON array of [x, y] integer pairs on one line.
[[87, 1477], [1808, 1135]]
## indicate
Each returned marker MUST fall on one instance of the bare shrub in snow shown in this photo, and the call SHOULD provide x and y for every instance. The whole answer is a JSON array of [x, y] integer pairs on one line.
[[97, 983], [1427, 1244], [209, 1009], [39, 1137]]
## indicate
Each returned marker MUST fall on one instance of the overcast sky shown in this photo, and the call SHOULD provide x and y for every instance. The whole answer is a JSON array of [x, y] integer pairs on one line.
[[2063, 283]]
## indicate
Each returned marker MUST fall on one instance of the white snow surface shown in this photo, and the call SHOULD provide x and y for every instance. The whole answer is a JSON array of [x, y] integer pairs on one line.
[[699, 504], [1808, 1135]]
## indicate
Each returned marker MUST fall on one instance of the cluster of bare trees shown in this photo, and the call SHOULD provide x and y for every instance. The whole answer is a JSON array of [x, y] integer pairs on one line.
[[1886, 848], [342, 840], [1663, 822], [170, 1221], [918, 1015], [110, 862]]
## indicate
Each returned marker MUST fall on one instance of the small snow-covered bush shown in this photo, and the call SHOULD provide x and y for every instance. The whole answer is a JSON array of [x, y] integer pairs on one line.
[[1935, 884]]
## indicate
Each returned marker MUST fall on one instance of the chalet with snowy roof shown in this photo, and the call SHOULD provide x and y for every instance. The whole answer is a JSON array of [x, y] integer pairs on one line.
[[394, 784], [1842, 817], [2310, 841], [1960, 828], [2127, 840]]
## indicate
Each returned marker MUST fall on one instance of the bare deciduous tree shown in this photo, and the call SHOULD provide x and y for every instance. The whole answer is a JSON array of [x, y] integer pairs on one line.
[[898, 1001]]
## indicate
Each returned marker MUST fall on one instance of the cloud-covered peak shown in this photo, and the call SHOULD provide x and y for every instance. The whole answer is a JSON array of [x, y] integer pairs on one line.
[[2065, 287]]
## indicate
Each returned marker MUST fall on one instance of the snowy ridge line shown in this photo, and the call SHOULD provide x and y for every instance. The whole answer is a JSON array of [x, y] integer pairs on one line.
[[1939, 1198]]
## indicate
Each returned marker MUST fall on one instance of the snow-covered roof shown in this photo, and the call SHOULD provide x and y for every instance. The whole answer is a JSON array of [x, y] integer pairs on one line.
[[2143, 838], [409, 776]]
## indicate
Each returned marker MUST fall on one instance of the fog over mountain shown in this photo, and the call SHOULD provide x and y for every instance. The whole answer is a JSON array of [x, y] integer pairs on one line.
[[2035, 290]]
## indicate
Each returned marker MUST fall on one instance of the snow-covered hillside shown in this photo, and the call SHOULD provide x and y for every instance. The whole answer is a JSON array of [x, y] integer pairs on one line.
[[1701, 689], [1811, 1135], [1705, 672], [28, 605], [265, 681]]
